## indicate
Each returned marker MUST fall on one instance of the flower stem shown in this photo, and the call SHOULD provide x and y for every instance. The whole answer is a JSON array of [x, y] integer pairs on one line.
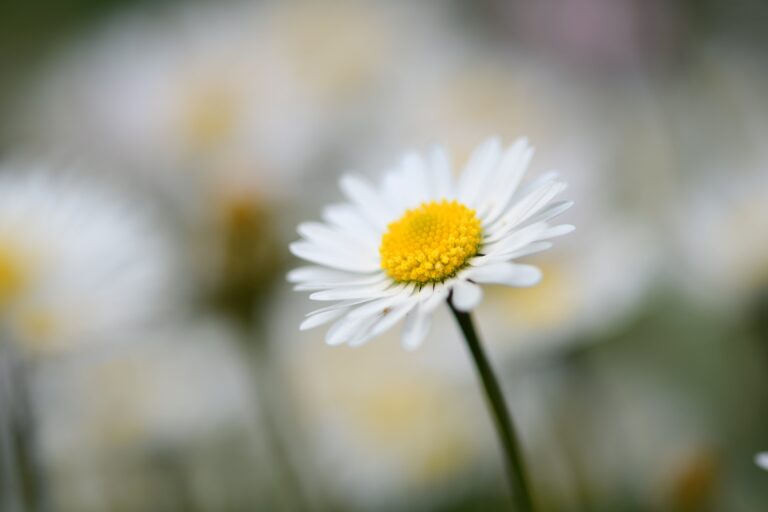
[[515, 469]]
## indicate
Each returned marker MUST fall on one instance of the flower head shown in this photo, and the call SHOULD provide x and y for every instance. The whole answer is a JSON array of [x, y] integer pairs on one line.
[[77, 264], [397, 251]]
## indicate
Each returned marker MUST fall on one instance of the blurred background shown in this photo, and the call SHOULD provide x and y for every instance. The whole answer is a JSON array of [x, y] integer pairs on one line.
[[637, 370]]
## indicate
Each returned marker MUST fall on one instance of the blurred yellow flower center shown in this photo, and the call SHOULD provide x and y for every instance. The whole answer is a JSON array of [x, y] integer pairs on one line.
[[12, 273], [209, 116], [430, 243]]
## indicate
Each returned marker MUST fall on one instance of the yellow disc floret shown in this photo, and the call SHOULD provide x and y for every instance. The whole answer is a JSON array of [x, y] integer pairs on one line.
[[430, 243]]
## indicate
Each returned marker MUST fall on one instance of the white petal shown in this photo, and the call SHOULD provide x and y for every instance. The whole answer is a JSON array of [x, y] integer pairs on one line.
[[321, 318], [466, 295], [311, 272], [390, 318], [761, 459], [526, 250], [555, 231], [481, 164], [416, 327], [395, 186], [345, 329], [345, 304], [525, 208], [413, 164], [442, 179], [370, 202], [509, 274], [349, 282], [335, 259], [364, 333], [438, 295], [332, 239], [516, 240], [353, 292], [529, 249], [350, 219], [502, 186], [552, 211], [394, 296]]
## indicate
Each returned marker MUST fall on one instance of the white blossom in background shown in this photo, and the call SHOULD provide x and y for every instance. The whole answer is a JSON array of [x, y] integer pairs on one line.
[[164, 404], [159, 387], [229, 96], [722, 236], [78, 262], [382, 425]]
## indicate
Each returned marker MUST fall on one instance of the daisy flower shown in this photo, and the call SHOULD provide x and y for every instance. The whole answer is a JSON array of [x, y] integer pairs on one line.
[[77, 264], [397, 251], [761, 459]]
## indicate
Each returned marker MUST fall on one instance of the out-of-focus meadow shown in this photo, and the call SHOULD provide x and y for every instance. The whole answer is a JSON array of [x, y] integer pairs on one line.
[[155, 158]]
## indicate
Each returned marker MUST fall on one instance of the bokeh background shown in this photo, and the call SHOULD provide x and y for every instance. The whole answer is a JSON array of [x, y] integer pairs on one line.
[[637, 370]]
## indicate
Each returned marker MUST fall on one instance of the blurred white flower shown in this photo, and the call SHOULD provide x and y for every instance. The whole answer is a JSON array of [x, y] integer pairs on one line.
[[163, 414], [187, 100], [398, 251], [162, 387], [383, 426], [227, 96], [723, 237], [227, 111], [78, 263], [589, 286], [761, 459]]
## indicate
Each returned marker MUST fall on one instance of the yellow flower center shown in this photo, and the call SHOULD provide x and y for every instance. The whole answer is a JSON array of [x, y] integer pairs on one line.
[[430, 243]]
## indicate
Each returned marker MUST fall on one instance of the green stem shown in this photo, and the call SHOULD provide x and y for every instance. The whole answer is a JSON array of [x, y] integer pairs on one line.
[[515, 469]]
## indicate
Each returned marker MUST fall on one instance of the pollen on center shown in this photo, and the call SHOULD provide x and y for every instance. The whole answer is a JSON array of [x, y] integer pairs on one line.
[[430, 243]]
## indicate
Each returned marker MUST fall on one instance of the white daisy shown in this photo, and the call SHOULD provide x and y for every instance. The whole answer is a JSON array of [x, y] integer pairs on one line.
[[77, 263], [396, 252], [761, 459]]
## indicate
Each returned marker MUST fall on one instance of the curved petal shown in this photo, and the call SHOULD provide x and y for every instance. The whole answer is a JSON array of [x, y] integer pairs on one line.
[[442, 178], [353, 292], [416, 327], [509, 274], [348, 218], [335, 259], [385, 321], [502, 186], [371, 204], [345, 329], [481, 164], [466, 295], [321, 318], [525, 208]]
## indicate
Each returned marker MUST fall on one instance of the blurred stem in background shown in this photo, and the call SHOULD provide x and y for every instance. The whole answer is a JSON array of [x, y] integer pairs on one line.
[[22, 479], [249, 269], [502, 419]]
